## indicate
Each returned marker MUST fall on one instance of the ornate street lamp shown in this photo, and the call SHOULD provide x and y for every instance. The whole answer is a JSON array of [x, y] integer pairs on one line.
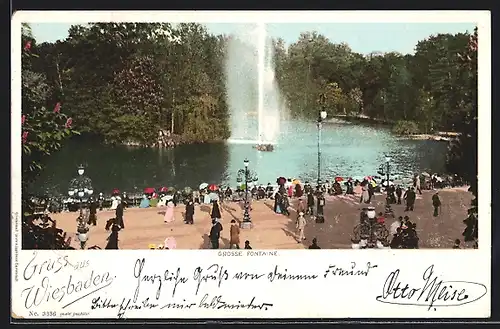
[[80, 187], [369, 231], [321, 117], [248, 176], [387, 169]]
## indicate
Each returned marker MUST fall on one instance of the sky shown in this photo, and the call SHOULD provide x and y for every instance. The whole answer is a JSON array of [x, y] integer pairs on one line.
[[361, 37]]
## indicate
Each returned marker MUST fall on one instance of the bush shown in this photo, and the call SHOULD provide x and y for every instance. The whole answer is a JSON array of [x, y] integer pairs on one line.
[[405, 128]]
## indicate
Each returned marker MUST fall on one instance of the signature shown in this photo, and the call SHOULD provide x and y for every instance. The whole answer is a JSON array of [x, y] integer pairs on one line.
[[432, 293]]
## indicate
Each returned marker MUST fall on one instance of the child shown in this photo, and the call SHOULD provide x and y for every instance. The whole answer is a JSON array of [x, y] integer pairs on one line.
[[247, 245]]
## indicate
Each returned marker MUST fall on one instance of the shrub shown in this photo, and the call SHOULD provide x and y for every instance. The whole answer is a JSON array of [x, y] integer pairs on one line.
[[403, 127]]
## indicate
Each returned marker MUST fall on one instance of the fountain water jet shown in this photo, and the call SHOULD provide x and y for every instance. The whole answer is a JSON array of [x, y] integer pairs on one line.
[[252, 89]]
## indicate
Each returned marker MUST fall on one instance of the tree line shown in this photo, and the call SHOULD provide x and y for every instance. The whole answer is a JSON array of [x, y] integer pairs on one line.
[[126, 82], [423, 92]]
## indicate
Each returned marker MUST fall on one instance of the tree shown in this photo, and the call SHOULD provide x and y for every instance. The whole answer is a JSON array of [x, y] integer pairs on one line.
[[116, 77], [43, 132], [44, 129], [462, 156]]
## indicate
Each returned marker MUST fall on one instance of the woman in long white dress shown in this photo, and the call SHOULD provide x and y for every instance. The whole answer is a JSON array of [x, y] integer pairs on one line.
[[115, 200], [169, 213], [365, 196]]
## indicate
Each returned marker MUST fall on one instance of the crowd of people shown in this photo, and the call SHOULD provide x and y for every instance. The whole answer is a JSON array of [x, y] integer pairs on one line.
[[404, 234], [310, 201]]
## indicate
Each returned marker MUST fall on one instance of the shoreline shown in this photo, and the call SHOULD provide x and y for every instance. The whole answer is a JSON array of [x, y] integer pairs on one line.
[[167, 141], [440, 136], [425, 137], [168, 144]]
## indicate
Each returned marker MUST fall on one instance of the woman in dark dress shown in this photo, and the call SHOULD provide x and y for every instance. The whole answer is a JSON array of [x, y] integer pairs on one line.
[[298, 191], [190, 212], [215, 213], [320, 218], [113, 237], [310, 204]]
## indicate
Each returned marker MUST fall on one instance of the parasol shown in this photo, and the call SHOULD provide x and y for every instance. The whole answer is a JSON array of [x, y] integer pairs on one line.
[[213, 187], [339, 179], [163, 189], [149, 190], [116, 191], [426, 174], [170, 243], [296, 182], [368, 178], [187, 190], [213, 196], [203, 186], [281, 180]]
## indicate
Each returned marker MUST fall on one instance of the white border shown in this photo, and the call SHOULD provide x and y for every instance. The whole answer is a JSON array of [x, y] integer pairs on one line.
[[292, 300]]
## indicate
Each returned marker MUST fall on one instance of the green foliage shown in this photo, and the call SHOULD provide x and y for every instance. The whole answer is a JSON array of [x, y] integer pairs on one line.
[[403, 127], [43, 129], [126, 81], [427, 88]]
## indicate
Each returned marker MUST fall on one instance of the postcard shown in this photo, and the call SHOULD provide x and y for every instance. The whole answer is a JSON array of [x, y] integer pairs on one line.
[[251, 165]]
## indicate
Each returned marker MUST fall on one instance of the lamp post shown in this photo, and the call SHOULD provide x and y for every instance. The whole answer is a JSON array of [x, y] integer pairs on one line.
[[248, 176], [387, 169], [369, 231], [321, 116], [81, 187]]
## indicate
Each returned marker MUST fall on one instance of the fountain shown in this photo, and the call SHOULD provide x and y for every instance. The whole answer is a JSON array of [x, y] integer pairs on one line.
[[251, 84]]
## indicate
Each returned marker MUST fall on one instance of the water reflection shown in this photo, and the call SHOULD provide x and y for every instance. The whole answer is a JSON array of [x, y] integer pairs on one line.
[[347, 150], [130, 168]]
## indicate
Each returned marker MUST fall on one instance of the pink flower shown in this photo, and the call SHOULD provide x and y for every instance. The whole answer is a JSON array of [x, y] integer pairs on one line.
[[23, 119], [57, 108], [27, 46], [68, 123], [25, 136]]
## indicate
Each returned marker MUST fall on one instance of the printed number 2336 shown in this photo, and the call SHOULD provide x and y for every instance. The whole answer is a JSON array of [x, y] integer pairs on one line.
[[44, 313]]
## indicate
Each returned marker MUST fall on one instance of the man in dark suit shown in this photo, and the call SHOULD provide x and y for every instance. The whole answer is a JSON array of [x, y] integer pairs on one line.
[[92, 213], [215, 233], [410, 199], [119, 215]]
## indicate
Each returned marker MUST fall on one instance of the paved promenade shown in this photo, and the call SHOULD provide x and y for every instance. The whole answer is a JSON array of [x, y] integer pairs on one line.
[[272, 231]]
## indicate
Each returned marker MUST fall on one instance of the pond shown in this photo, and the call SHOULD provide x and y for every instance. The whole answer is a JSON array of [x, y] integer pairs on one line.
[[346, 150]]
